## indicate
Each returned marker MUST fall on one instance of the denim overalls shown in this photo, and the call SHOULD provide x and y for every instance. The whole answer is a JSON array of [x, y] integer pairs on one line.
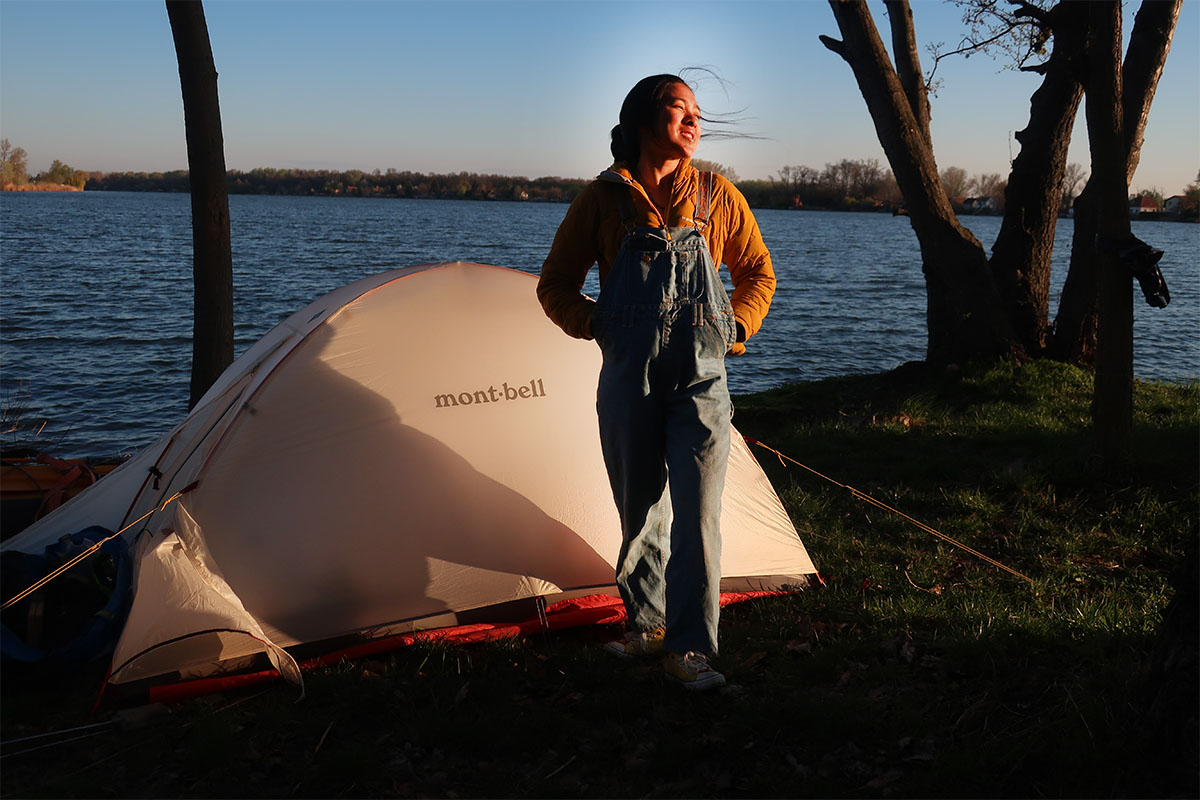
[[664, 324]]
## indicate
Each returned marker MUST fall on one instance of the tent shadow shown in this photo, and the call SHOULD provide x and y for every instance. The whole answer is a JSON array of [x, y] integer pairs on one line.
[[326, 513]]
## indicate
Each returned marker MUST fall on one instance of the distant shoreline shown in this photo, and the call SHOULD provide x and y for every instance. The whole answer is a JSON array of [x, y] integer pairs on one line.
[[41, 187]]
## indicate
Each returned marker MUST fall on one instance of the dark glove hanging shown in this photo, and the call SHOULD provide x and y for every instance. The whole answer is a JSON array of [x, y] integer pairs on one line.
[[1142, 262]]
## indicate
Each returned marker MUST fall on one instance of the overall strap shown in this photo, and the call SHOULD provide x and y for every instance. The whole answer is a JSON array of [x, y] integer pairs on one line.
[[703, 199]]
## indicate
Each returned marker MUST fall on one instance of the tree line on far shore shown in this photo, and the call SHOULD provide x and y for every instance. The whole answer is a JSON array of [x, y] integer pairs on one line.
[[847, 185], [354, 183], [14, 172]]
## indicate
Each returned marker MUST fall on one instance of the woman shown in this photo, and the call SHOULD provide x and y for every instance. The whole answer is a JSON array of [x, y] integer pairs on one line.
[[658, 228]]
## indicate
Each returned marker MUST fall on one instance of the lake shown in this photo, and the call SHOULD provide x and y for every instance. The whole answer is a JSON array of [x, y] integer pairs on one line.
[[96, 293]]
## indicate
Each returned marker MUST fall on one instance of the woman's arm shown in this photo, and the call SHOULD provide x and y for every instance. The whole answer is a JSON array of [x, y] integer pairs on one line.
[[749, 264], [560, 288]]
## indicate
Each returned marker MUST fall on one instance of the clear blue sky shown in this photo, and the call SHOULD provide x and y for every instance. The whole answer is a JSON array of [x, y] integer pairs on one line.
[[516, 88]]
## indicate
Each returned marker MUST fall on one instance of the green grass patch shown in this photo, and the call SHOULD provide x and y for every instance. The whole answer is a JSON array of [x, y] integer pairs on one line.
[[919, 669]]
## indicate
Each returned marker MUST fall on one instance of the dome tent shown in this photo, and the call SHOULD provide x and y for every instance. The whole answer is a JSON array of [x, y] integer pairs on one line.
[[411, 450]]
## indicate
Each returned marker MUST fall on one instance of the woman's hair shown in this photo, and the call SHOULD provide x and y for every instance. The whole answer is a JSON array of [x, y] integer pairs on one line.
[[641, 107], [638, 112]]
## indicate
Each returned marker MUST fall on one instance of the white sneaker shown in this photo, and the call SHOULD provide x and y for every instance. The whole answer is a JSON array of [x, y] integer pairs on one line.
[[692, 670]]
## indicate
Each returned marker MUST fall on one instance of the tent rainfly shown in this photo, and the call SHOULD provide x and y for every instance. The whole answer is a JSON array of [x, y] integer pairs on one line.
[[411, 450]]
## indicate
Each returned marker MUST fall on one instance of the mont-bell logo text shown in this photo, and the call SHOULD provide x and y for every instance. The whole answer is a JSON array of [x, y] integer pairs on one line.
[[492, 394]]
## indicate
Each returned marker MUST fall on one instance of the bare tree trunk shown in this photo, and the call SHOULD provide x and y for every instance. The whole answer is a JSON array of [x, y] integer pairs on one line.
[[1075, 335], [964, 318], [1112, 407], [1074, 339], [212, 260], [1021, 254]]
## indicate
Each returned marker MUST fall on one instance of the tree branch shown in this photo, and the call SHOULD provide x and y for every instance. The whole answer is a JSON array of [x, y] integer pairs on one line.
[[1149, 44], [908, 62], [1025, 9], [836, 45], [1000, 27], [968, 48]]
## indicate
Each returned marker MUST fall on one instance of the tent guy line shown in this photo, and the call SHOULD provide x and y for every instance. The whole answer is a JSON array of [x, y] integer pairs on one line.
[[884, 506], [39, 584]]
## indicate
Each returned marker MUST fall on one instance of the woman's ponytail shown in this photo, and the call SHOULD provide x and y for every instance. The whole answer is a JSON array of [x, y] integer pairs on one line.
[[620, 152]]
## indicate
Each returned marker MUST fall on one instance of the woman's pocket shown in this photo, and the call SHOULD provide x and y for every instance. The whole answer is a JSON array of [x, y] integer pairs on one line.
[[716, 335]]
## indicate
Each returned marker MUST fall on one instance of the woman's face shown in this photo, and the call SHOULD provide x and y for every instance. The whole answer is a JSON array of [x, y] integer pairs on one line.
[[676, 131]]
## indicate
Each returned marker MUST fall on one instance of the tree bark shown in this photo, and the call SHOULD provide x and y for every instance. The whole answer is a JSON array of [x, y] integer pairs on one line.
[[964, 318], [1075, 333], [212, 260], [908, 63], [1112, 407], [1149, 44], [1021, 254]]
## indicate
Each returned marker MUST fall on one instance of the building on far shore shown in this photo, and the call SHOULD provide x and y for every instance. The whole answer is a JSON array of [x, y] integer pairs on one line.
[[1143, 206]]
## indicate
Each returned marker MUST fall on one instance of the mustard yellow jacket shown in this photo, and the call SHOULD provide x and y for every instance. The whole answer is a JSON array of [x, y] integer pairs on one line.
[[592, 232]]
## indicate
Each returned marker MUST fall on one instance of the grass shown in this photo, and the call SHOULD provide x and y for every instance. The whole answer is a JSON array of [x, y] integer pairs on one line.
[[917, 670], [18, 434]]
